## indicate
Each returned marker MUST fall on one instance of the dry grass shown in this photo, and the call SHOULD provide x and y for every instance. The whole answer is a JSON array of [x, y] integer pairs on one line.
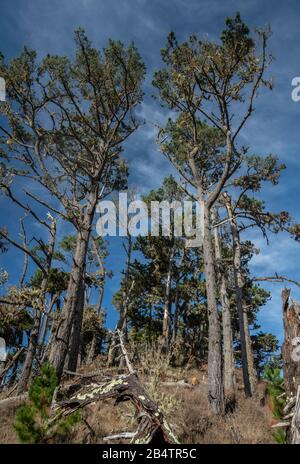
[[249, 423], [186, 410], [7, 417]]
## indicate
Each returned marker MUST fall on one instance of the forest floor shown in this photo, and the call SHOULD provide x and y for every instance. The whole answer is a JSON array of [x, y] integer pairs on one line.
[[185, 408]]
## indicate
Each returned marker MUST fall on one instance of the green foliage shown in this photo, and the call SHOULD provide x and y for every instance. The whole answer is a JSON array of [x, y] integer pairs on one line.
[[279, 436], [275, 383], [65, 426], [32, 418], [26, 424], [57, 280], [264, 346], [43, 386], [276, 391]]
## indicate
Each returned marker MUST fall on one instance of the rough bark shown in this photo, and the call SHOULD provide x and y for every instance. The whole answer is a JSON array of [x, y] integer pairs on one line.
[[30, 354], [249, 374], [215, 376], [60, 344], [228, 366], [176, 315], [291, 344], [294, 432], [75, 336], [92, 350]]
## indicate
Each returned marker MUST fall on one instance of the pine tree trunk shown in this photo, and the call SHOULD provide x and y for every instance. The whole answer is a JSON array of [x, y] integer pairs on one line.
[[228, 368], [215, 377], [60, 344], [75, 336], [249, 374], [168, 303], [176, 316], [30, 354], [92, 350]]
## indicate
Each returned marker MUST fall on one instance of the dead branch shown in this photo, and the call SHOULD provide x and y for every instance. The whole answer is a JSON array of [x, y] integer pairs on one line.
[[125, 354], [276, 278], [120, 436], [11, 363]]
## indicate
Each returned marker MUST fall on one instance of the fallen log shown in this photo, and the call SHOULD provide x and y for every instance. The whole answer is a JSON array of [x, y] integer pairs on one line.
[[152, 426]]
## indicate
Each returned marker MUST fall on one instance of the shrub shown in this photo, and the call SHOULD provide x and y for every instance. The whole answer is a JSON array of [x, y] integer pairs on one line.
[[32, 418], [276, 392]]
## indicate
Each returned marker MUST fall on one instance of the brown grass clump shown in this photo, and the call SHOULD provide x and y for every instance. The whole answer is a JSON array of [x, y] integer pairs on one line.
[[248, 424], [7, 417]]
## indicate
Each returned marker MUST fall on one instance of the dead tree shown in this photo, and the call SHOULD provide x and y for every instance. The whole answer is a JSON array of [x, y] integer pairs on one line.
[[291, 367], [291, 344], [152, 426]]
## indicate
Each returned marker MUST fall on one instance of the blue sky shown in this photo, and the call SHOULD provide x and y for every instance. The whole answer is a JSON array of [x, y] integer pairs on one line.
[[47, 26]]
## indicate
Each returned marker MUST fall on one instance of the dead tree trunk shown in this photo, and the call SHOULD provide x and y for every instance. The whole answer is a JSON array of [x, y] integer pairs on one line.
[[291, 344], [294, 432], [152, 426]]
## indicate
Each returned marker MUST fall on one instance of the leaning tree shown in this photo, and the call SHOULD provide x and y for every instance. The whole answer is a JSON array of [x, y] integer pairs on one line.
[[65, 123]]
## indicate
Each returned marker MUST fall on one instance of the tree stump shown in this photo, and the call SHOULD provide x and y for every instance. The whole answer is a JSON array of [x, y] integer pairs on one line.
[[294, 433], [291, 344]]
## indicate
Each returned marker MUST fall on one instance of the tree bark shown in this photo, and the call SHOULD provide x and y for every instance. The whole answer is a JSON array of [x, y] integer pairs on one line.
[[228, 367], [291, 344], [61, 341], [30, 354], [294, 432], [168, 302], [152, 425], [249, 374], [215, 376], [176, 315], [91, 354], [75, 336]]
